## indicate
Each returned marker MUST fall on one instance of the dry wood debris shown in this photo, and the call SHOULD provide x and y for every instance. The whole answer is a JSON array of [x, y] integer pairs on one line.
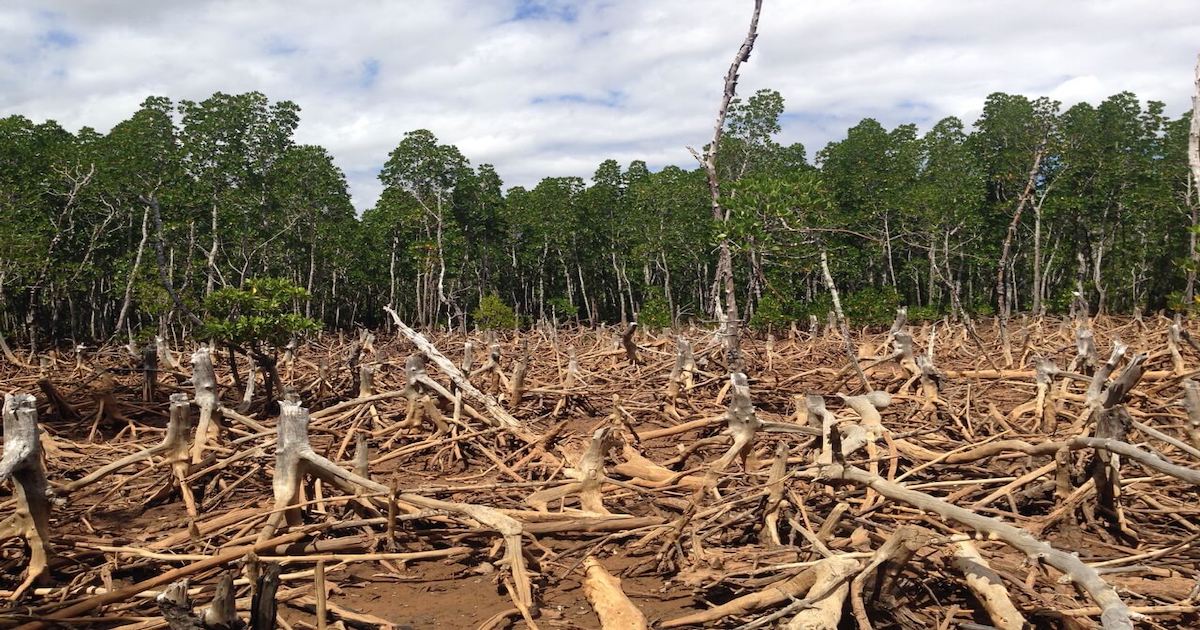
[[576, 482]]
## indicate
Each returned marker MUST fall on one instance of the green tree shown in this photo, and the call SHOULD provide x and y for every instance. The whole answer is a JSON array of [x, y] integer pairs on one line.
[[258, 319]]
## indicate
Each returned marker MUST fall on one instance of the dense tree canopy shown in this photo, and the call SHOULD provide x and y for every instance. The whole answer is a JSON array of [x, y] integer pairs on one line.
[[128, 232]]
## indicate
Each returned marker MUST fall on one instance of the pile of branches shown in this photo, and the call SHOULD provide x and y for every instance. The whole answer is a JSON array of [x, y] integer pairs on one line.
[[929, 483]]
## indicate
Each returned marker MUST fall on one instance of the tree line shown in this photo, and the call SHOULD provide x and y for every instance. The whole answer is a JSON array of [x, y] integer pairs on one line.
[[1030, 209]]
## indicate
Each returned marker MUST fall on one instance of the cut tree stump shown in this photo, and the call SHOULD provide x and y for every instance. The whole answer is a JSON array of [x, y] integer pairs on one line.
[[22, 462]]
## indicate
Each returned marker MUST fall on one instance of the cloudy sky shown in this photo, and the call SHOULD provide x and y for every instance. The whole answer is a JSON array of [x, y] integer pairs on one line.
[[541, 88]]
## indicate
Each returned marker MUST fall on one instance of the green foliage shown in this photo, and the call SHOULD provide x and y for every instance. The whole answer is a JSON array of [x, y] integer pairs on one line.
[[873, 306], [656, 311], [924, 313], [1060, 302], [256, 315], [236, 197], [1177, 302], [984, 309], [770, 314], [563, 307], [493, 314]]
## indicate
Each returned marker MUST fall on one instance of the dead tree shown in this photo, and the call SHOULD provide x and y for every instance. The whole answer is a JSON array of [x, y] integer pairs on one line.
[[149, 373], [295, 459], [1043, 404], [1113, 423], [516, 389], [1191, 401], [220, 614], [841, 321], [64, 409], [1002, 302], [742, 423], [22, 462], [724, 274], [682, 377], [589, 473], [1115, 615]]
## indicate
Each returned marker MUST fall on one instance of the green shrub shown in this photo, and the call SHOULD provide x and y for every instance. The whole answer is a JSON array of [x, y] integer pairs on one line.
[[872, 306], [656, 312], [256, 315], [493, 314], [1060, 302], [982, 308], [563, 308], [924, 313], [256, 318], [770, 314]]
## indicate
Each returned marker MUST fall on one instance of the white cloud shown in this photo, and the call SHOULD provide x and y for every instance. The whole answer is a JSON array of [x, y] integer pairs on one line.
[[574, 83]]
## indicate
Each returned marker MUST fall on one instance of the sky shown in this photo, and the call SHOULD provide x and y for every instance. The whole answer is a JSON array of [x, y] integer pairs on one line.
[[552, 87]]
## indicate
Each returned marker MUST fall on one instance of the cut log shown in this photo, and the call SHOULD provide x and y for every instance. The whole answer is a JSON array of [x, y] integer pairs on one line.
[[603, 592]]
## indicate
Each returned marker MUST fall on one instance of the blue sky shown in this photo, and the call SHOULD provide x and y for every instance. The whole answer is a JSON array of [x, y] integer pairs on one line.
[[542, 88]]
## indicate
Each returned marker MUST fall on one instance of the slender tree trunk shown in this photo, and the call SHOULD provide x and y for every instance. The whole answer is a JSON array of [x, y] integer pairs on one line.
[[312, 272], [212, 253], [931, 281], [1002, 266], [587, 307], [137, 263], [1194, 198], [392, 276], [887, 245], [724, 259], [1037, 259], [164, 273]]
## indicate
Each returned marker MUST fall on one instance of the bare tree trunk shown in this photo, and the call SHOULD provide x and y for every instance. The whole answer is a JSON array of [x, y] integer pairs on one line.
[[1194, 164], [1037, 259], [137, 262], [841, 317], [164, 275], [392, 276], [212, 253], [709, 161], [1002, 265]]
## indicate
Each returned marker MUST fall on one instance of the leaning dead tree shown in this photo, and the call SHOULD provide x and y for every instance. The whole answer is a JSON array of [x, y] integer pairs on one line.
[[22, 462], [724, 274]]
